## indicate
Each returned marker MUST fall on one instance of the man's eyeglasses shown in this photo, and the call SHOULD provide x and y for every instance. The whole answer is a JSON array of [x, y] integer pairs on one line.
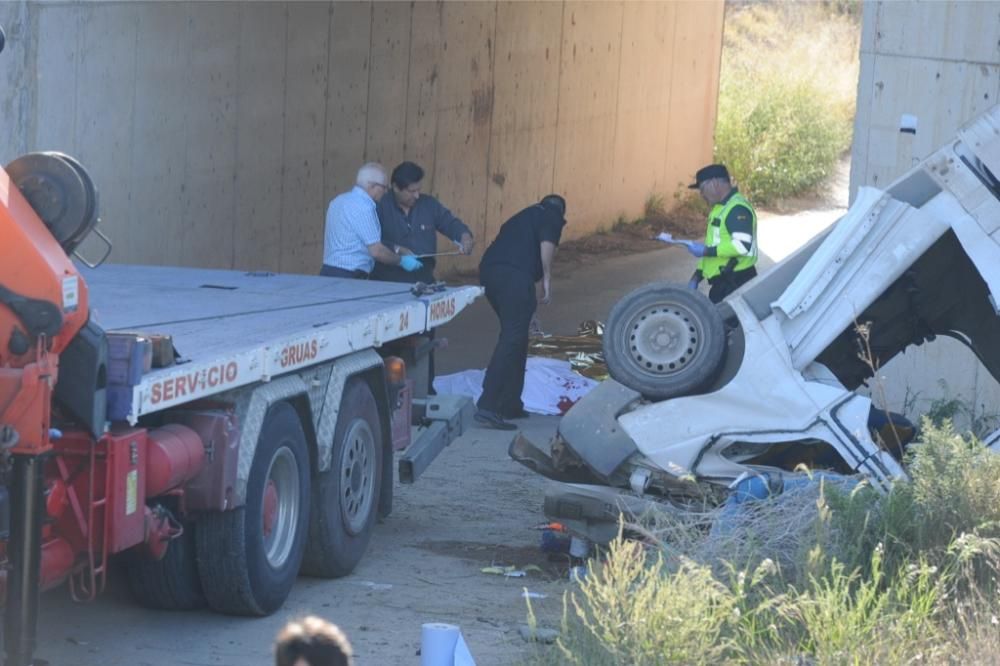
[[382, 185]]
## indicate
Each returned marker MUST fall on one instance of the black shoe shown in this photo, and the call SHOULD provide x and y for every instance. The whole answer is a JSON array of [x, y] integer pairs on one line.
[[492, 420], [519, 414]]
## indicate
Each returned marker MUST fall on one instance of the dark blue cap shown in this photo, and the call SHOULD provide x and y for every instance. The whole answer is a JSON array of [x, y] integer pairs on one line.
[[708, 173]]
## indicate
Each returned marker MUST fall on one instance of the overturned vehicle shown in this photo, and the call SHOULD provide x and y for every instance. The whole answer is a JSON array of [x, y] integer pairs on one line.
[[751, 390]]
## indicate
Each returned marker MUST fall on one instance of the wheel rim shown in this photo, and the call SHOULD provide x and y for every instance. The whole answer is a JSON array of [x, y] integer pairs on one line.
[[280, 508], [357, 476], [663, 339]]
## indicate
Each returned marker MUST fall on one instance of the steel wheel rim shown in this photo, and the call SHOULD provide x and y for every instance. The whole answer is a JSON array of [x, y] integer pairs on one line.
[[283, 472], [663, 339], [357, 475]]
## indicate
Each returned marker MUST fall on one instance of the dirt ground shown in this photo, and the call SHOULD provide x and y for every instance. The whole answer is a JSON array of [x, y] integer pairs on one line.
[[473, 508]]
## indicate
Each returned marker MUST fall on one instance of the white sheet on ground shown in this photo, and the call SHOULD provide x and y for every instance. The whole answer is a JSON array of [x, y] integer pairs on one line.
[[550, 385]]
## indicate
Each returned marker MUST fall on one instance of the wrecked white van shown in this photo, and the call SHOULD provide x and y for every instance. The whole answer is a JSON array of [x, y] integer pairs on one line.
[[707, 396]]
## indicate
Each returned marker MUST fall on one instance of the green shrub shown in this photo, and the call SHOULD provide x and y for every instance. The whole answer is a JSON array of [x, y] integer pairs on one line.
[[786, 95], [782, 141], [979, 419], [949, 507]]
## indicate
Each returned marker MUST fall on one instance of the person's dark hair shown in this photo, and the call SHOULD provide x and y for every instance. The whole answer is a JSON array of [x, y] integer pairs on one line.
[[555, 201], [406, 174], [319, 642]]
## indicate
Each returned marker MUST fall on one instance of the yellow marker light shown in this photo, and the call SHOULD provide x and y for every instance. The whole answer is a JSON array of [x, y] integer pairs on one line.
[[395, 370]]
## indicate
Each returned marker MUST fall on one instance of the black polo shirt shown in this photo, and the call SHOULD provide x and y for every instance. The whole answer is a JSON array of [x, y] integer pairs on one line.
[[518, 244]]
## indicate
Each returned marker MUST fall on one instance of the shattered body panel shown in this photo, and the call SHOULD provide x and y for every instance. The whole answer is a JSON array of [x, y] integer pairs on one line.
[[904, 265]]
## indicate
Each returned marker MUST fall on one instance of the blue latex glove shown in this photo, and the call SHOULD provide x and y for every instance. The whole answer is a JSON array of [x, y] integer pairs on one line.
[[693, 284], [696, 248], [409, 263]]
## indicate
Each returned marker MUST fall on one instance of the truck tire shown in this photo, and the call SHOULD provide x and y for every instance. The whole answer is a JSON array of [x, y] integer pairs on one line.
[[248, 558], [664, 341], [345, 497], [170, 583]]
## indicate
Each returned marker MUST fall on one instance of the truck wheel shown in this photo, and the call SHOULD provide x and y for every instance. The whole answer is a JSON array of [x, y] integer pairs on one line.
[[170, 583], [248, 558], [345, 497], [664, 341]]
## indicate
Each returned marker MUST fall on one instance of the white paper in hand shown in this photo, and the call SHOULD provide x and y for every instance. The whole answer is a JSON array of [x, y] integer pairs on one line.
[[668, 237]]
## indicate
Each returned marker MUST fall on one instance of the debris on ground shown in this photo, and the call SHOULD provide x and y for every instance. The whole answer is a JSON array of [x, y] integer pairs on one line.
[[583, 350], [512, 571], [555, 542], [509, 572], [373, 585], [537, 634]]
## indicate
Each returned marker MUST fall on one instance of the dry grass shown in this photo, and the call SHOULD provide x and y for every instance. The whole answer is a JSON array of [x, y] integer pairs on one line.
[[781, 529]]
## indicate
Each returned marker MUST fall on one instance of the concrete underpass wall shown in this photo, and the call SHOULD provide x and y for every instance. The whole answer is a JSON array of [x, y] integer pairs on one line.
[[218, 132], [940, 62]]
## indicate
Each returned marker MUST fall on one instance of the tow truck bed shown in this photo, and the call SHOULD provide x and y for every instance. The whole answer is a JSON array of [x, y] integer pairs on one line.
[[233, 328]]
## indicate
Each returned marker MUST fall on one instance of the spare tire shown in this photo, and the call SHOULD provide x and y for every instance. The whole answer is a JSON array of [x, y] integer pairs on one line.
[[61, 193], [664, 341]]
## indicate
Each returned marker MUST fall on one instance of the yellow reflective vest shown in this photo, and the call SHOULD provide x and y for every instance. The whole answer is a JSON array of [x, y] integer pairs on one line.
[[719, 237]]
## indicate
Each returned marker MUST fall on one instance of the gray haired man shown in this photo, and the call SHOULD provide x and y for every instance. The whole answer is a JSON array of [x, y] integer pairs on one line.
[[352, 241]]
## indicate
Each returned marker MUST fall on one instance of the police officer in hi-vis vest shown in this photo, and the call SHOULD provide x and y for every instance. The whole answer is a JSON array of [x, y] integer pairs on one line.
[[728, 256]]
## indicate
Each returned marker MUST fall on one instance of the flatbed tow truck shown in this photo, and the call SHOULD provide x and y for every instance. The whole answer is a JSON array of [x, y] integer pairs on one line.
[[217, 432]]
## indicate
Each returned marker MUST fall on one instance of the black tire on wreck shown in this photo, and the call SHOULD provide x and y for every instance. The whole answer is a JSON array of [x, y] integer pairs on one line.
[[249, 558], [664, 341]]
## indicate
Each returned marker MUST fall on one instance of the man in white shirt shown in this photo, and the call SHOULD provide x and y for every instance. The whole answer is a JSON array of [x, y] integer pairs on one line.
[[352, 241]]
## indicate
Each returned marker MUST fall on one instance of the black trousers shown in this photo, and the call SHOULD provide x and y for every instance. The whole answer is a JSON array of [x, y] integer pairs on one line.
[[727, 283], [333, 271], [511, 294]]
